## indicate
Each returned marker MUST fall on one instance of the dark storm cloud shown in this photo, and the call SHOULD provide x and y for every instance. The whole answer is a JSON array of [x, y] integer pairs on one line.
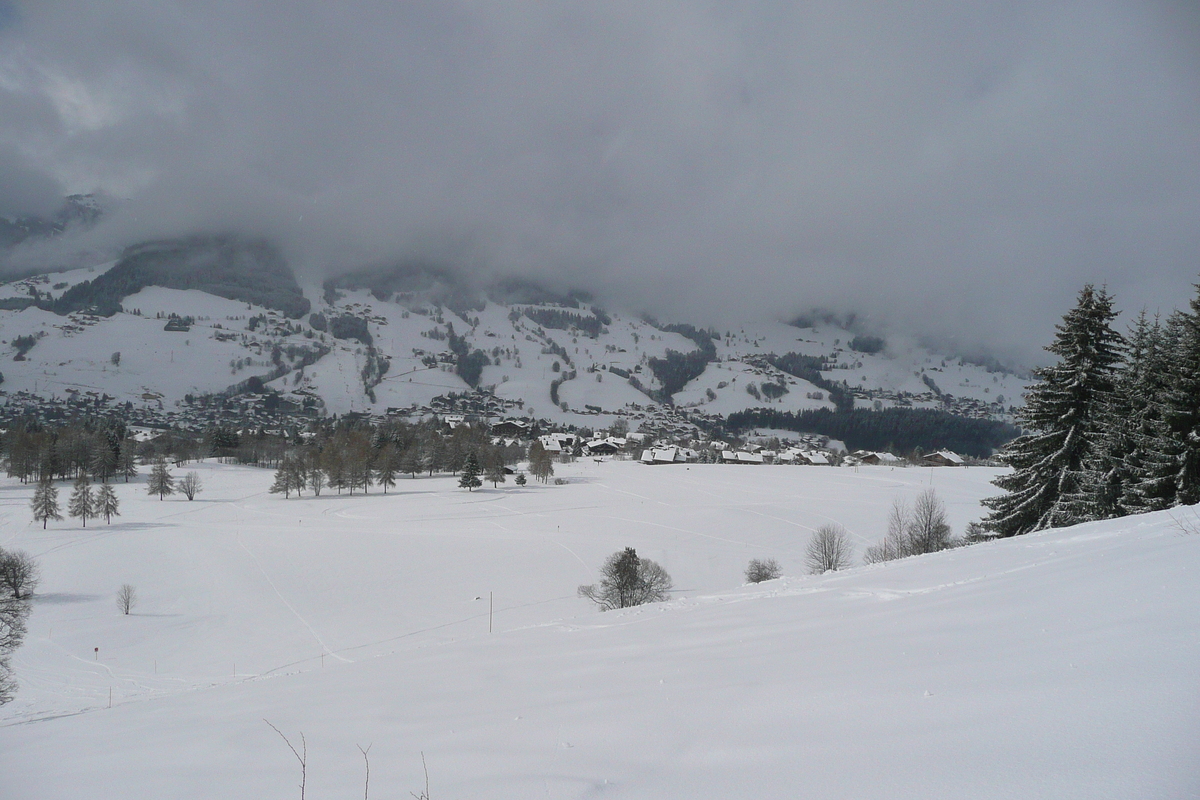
[[959, 169]]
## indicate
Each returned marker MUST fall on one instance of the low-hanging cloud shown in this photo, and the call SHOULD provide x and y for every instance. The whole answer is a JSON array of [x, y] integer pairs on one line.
[[957, 169]]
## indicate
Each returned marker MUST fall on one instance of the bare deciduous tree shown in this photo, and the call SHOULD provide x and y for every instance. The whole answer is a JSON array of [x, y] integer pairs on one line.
[[928, 531], [760, 570], [829, 549], [19, 573], [628, 580], [13, 614], [190, 485], [126, 598], [913, 531]]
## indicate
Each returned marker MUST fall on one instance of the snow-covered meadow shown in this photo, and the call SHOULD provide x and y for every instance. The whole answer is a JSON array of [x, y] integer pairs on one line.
[[1061, 664]]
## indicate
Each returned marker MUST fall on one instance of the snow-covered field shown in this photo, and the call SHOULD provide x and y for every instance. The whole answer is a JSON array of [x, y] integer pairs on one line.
[[1062, 664]]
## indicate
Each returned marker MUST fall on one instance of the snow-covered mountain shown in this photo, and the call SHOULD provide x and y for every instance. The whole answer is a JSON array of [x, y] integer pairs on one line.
[[367, 345], [76, 210]]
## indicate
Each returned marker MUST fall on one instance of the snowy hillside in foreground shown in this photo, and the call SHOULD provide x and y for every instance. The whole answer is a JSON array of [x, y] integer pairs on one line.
[[1060, 664], [73, 354]]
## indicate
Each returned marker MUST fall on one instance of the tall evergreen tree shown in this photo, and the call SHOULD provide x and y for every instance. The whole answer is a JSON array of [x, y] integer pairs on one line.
[[107, 505], [82, 504], [1047, 486], [385, 466], [285, 480], [1152, 462], [470, 474], [127, 459], [494, 466], [45, 503], [160, 482], [104, 460], [410, 460], [1118, 460], [1181, 403]]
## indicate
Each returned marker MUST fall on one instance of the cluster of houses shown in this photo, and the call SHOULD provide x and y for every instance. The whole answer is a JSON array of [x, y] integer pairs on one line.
[[674, 454], [569, 444], [751, 454]]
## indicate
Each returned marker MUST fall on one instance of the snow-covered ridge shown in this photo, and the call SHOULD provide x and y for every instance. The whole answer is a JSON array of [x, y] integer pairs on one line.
[[228, 341]]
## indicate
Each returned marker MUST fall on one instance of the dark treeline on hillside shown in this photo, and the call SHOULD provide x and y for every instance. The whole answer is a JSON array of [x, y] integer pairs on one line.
[[468, 363], [899, 430], [250, 271], [675, 370], [809, 368], [562, 320], [1114, 424]]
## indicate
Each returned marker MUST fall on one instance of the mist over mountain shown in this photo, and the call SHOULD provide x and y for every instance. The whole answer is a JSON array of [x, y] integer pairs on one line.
[[955, 171]]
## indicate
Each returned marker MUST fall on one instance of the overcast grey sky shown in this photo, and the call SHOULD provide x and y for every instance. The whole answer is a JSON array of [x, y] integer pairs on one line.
[[959, 168]]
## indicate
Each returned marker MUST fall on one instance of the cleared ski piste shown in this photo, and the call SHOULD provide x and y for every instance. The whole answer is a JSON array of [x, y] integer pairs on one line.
[[1063, 664]]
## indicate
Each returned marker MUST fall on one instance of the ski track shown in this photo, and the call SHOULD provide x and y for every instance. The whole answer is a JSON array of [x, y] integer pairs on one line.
[[284, 600]]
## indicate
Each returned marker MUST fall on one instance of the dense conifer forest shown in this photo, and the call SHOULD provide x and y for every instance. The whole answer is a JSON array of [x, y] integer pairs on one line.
[[1113, 425], [899, 430]]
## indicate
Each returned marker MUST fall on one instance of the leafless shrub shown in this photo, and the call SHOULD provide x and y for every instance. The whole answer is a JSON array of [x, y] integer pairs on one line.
[[628, 580], [126, 598], [762, 569], [190, 485], [829, 549], [913, 531], [19, 573], [1186, 520]]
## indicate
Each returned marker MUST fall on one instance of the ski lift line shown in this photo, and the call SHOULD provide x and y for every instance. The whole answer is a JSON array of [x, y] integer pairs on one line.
[[410, 372]]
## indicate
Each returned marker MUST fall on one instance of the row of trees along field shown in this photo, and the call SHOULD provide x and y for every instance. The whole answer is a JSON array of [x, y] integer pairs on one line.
[[1113, 426], [97, 447], [358, 458], [101, 448]]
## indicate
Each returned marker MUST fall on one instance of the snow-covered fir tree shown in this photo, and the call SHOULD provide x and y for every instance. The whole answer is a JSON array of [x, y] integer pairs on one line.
[[1115, 465], [386, 464], [1050, 463], [287, 479], [470, 474], [1148, 482], [82, 504], [45, 503], [160, 482], [107, 505], [127, 459], [494, 471], [1181, 404]]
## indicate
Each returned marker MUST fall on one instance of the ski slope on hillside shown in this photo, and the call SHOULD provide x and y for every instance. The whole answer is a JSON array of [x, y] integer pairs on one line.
[[1060, 664]]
